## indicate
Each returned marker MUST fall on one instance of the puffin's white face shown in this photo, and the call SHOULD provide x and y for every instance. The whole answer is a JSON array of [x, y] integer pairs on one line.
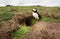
[[34, 9]]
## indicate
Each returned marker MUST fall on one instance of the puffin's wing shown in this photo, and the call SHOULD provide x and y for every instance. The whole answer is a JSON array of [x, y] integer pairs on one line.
[[39, 15]]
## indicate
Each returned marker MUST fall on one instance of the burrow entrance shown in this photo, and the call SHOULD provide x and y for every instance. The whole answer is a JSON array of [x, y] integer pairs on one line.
[[25, 21], [10, 26]]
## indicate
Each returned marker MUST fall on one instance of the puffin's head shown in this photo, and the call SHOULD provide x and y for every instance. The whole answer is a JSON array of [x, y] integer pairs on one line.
[[34, 10]]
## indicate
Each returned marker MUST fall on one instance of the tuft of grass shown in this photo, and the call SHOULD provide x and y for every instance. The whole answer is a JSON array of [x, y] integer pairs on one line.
[[21, 32], [33, 21]]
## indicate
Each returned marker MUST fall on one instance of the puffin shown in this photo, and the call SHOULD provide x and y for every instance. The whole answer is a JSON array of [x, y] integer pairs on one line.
[[35, 14]]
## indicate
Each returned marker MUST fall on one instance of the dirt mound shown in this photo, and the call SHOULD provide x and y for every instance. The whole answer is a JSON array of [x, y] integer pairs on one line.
[[7, 27], [44, 30]]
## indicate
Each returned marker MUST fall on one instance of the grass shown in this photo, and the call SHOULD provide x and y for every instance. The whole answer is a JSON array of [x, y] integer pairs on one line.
[[6, 13], [5, 16], [21, 32], [28, 9], [33, 21], [50, 19]]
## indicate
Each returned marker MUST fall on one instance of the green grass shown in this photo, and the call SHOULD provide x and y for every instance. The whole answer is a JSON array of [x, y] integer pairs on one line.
[[28, 9], [50, 19], [21, 32], [6, 13], [5, 16], [33, 21]]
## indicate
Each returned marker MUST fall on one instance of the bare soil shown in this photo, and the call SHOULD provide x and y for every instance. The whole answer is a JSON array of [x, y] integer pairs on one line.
[[44, 30]]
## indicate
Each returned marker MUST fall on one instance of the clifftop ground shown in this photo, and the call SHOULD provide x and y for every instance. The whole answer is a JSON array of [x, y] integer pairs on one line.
[[47, 28]]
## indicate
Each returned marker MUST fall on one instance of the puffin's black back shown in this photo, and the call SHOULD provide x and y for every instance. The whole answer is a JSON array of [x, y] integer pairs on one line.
[[39, 15]]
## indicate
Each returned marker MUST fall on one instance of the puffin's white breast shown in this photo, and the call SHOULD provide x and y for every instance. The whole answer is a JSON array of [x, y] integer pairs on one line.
[[35, 15]]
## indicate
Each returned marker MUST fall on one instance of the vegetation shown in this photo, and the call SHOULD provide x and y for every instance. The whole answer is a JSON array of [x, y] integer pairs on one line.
[[47, 13], [5, 16], [21, 32], [50, 19]]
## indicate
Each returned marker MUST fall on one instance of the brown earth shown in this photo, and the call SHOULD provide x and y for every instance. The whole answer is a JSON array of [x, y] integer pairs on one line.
[[40, 30], [44, 30], [7, 27]]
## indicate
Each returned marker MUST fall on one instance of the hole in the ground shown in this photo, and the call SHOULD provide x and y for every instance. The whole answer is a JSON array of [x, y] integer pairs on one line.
[[27, 21]]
